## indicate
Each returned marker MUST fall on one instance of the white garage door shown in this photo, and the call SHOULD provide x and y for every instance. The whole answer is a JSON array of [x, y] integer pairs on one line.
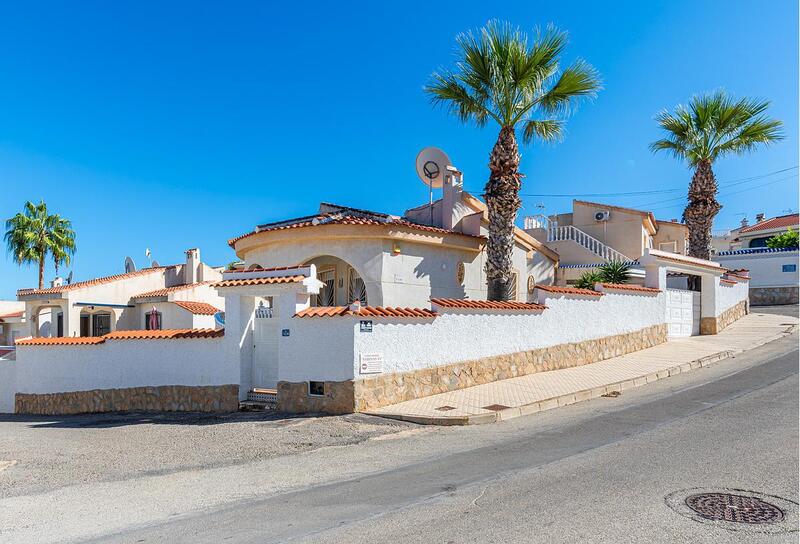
[[683, 312]]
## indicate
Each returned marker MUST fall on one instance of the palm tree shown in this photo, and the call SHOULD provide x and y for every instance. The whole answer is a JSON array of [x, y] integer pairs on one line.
[[712, 126], [33, 234], [500, 76]]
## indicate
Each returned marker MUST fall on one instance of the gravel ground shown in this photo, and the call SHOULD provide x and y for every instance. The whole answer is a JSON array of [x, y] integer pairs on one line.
[[51, 452]]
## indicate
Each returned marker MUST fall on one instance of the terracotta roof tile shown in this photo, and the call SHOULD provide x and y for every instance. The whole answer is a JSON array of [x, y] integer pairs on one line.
[[90, 283], [628, 287], [173, 289], [345, 219], [723, 281], [61, 341], [738, 274], [366, 311], [689, 261], [20, 313], [197, 308], [164, 334], [782, 221], [487, 304], [569, 290], [260, 281]]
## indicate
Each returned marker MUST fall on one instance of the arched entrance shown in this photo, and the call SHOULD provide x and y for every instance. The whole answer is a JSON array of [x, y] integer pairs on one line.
[[343, 283]]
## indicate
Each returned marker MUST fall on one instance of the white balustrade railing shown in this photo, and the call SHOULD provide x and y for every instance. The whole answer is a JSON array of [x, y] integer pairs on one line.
[[569, 232]]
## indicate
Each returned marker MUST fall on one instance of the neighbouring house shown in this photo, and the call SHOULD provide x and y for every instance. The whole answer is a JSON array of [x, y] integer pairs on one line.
[[756, 235], [773, 273], [595, 233], [161, 297], [12, 323], [380, 259]]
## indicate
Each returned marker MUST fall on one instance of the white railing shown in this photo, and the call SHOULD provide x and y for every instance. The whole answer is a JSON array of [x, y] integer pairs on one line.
[[569, 232]]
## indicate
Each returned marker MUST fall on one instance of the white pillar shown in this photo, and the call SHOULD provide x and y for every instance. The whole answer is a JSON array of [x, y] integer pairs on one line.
[[238, 352], [709, 286], [655, 276], [72, 318]]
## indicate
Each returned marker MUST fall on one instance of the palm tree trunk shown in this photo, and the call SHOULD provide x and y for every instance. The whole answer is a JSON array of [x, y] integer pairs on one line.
[[41, 272], [502, 199], [701, 210]]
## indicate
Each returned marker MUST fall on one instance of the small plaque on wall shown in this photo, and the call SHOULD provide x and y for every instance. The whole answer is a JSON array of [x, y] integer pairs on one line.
[[365, 326], [370, 363]]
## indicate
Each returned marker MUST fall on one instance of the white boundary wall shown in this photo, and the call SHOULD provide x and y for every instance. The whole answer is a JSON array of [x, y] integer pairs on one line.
[[329, 348], [8, 385], [729, 296], [117, 364], [766, 269]]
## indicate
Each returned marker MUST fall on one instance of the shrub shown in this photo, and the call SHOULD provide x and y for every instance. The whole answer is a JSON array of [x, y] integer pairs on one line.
[[615, 272], [784, 239], [588, 279]]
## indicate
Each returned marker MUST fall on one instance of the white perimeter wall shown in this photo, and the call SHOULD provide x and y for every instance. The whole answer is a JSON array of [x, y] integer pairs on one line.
[[329, 348], [118, 364], [766, 269], [730, 295], [8, 386]]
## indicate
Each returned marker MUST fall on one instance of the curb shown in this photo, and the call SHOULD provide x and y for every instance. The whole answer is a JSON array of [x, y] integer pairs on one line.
[[579, 396]]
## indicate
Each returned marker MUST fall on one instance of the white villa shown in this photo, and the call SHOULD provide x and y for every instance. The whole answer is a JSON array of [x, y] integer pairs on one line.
[[180, 295], [388, 260]]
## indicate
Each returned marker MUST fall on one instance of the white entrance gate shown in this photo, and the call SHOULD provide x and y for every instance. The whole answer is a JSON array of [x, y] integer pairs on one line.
[[265, 349], [683, 312]]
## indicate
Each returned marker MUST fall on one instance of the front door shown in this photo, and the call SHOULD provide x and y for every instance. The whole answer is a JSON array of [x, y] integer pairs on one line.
[[265, 349]]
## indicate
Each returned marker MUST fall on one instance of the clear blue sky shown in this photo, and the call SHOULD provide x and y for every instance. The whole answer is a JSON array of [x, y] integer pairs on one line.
[[169, 125]]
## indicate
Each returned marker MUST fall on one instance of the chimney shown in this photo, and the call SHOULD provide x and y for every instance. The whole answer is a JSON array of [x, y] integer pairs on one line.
[[192, 270], [744, 222], [673, 220], [451, 197], [759, 217], [58, 281]]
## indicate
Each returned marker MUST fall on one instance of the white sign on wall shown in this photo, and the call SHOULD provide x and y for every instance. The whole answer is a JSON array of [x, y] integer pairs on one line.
[[370, 363]]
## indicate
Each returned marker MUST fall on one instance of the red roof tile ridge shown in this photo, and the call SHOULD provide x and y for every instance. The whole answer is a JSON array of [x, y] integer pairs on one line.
[[569, 290], [197, 308], [173, 289], [630, 287], [486, 304], [91, 282]]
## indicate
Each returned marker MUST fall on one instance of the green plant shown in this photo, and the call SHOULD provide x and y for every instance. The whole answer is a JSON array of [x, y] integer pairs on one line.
[[34, 233], [712, 126], [500, 76], [784, 239], [588, 279], [615, 272]]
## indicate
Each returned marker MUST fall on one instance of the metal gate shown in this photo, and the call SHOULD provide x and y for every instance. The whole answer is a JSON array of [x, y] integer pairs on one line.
[[683, 312], [265, 349]]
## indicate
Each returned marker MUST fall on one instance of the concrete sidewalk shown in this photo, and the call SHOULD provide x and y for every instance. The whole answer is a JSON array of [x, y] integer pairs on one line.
[[525, 395]]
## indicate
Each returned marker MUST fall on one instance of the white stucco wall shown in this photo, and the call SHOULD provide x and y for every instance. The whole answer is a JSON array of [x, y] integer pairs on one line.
[[123, 363], [329, 348], [766, 269], [8, 386], [730, 295]]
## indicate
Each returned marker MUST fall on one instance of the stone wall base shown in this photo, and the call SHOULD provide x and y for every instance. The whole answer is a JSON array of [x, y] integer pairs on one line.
[[714, 325], [767, 296], [371, 393], [165, 398]]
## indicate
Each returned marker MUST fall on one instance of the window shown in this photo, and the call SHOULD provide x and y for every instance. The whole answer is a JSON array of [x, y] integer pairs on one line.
[[316, 389], [668, 246], [357, 290], [759, 242], [152, 321], [101, 324], [327, 295], [513, 290]]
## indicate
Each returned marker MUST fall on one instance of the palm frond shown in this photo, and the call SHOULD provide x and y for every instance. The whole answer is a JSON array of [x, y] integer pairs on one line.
[[548, 130]]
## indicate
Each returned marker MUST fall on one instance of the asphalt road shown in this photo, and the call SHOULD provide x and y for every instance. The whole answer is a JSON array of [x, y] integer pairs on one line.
[[601, 471]]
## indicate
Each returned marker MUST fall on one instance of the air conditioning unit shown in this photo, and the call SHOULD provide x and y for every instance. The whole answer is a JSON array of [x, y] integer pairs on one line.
[[602, 216]]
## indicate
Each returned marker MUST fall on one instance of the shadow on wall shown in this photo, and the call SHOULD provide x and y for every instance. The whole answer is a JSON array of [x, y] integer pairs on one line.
[[442, 275]]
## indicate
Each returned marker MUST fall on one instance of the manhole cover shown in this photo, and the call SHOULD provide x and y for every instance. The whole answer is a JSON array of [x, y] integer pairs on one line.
[[445, 408], [740, 510], [495, 407], [737, 508]]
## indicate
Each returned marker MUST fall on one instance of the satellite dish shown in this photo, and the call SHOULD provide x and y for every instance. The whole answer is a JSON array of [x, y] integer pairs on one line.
[[69, 278], [154, 264], [130, 266], [432, 164]]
